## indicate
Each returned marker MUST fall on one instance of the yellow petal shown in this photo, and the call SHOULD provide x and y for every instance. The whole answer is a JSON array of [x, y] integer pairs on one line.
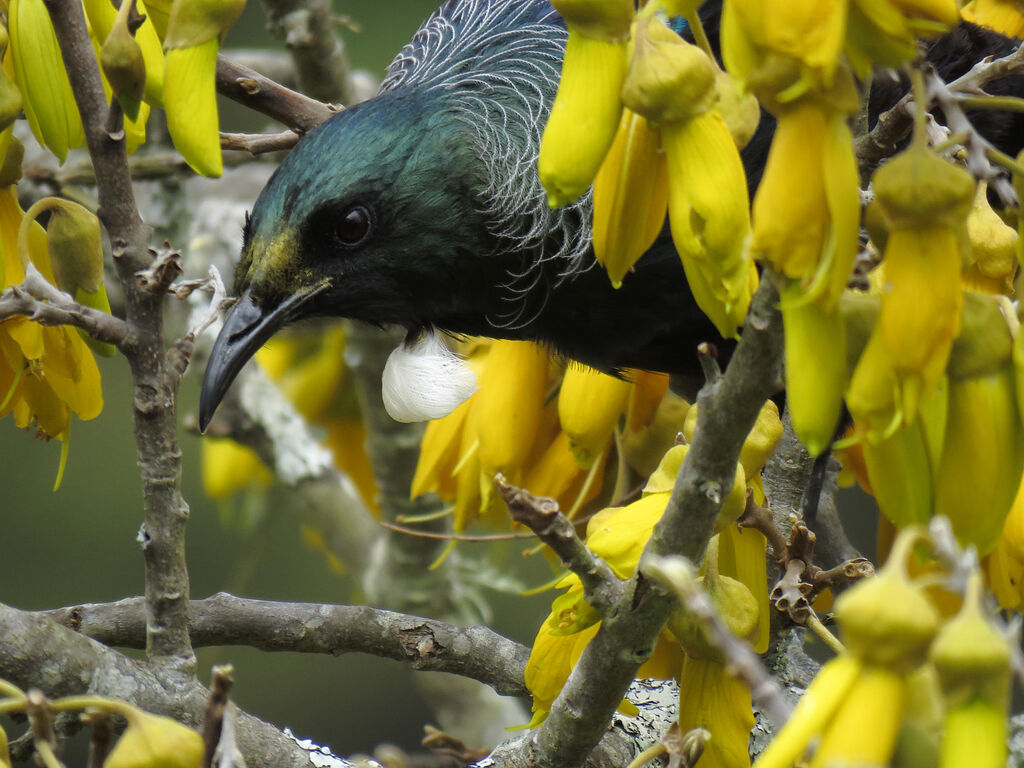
[[39, 72], [711, 698], [584, 117], [190, 98], [633, 178]]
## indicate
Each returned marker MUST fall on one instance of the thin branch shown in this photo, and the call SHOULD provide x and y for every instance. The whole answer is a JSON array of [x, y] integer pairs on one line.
[[251, 89], [601, 587], [478, 653], [259, 143], [678, 574], [43, 303], [893, 125]]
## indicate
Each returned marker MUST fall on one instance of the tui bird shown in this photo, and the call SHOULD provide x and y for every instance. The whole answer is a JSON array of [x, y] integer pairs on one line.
[[422, 208]]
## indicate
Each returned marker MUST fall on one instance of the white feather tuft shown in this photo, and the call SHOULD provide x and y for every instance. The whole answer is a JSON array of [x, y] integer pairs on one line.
[[425, 380]]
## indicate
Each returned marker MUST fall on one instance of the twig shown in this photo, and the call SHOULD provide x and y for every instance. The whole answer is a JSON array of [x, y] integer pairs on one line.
[[251, 89], [601, 586], [425, 644], [259, 143], [678, 574], [894, 125], [42, 302]]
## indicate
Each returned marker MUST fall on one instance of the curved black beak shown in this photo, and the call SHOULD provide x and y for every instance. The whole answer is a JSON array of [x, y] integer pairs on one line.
[[246, 328]]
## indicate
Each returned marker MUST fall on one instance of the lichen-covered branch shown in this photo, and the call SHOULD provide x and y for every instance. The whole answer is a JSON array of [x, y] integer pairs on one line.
[[38, 653], [477, 652], [729, 407], [893, 125]]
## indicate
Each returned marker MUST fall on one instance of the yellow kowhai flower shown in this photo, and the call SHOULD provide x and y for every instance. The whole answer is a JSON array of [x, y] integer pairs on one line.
[[857, 702], [806, 213], [46, 373], [585, 114], [39, 72], [673, 83], [10, 96], [1004, 16], [102, 17], [885, 32], [992, 259], [310, 370], [632, 178], [925, 202], [972, 658], [783, 46], [153, 741], [194, 33], [228, 467]]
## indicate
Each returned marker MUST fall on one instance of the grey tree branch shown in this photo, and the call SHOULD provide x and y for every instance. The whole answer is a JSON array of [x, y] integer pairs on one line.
[[251, 89], [39, 653], [162, 534], [259, 143], [729, 407], [477, 652], [541, 515], [43, 303]]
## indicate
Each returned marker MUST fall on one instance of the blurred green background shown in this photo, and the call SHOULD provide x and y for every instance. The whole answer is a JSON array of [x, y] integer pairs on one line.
[[78, 545]]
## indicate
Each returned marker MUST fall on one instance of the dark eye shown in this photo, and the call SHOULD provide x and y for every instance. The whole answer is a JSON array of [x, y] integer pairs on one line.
[[354, 226]]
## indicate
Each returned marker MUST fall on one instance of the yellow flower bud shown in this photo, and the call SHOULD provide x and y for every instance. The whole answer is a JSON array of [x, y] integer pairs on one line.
[[993, 244], [123, 64], [76, 256], [103, 16], [735, 606], [919, 190], [669, 79], [886, 620], [151, 741], [738, 107]]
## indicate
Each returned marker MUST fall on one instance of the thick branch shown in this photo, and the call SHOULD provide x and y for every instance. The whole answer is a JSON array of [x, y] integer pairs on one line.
[[424, 644], [41, 302], [251, 89], [29, 657], [728, 407]]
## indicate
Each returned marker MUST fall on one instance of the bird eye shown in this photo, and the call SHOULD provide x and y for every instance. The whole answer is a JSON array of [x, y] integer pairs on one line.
[[354, 226]]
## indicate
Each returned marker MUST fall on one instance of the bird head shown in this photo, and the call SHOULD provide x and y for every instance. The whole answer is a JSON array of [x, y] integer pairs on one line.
[[372, 217]]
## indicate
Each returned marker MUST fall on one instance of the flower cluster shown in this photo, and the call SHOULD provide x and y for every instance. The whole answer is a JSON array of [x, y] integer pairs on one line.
[[156, 54]]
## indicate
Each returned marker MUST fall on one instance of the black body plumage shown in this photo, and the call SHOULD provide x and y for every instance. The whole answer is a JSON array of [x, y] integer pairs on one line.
[[422, 208]]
